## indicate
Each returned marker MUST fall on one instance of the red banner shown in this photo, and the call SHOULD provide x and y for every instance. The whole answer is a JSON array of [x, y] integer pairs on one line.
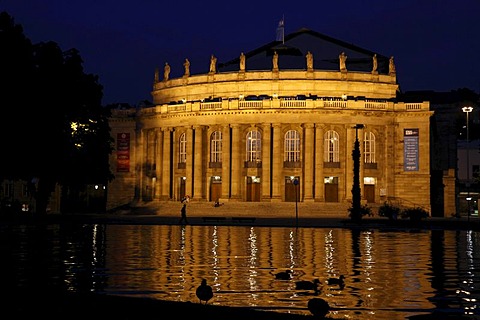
[[123, 152]]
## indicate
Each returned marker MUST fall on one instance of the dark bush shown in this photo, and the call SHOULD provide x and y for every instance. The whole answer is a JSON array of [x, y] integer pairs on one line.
[[415, 214], [365, 210], [389, 211]]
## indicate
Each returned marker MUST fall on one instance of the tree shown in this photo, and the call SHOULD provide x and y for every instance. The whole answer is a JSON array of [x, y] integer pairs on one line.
[[17, 69], [58, 131]]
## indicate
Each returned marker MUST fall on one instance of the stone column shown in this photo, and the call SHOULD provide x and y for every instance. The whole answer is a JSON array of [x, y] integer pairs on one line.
[[236, 163], [189, 164], [319, 178], [266, 160], [158, 163], [139, 160], [165, 166], [345, 186], [226, 165], [277, 157], [198, 164], [361, 138], [389, 153], [308, 162]]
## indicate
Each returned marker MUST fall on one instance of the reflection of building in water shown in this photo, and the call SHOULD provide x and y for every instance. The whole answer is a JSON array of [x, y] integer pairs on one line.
[[383, 269], [248, 136]]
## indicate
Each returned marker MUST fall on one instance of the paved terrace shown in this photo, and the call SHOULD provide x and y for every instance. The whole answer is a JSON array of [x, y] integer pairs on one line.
[[330, 215], [270, 214]]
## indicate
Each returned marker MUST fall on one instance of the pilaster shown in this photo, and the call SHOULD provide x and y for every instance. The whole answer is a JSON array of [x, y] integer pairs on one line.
[[277, 163], [266, 162], [198, 164], [308, 162]]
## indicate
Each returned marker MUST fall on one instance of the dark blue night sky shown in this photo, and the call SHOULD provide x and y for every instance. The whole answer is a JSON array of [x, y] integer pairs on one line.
[[436, 44]]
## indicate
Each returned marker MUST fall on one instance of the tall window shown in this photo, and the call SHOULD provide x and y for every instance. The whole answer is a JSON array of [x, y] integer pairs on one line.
[[216, 146], [182, 155], [254, 146], [292, 146], [331, 147], [369, 147], [8, 189]]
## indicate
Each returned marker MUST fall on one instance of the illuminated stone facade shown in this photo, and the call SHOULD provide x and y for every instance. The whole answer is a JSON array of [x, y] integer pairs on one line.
[[275, 126]]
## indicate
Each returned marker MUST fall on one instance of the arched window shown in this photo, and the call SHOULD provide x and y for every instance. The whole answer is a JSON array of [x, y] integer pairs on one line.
[[254, 146], [292, 146], [216, 146], [369, 147], [331, 147], [182, 149]]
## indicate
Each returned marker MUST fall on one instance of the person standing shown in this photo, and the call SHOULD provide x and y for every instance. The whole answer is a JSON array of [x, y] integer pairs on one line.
[[183, 211]]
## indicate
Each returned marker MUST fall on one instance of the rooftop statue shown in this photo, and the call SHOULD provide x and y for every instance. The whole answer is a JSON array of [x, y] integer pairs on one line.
[[343, 61], [275, 61], [166, 71], [242, 62], [186, 65], [309, 61], [213, 64]]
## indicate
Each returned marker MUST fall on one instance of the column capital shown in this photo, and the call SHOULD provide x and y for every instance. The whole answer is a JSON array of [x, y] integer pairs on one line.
[[320, 126]]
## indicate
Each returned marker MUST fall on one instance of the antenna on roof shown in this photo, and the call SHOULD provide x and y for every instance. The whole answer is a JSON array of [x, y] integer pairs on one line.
[[280, 30]]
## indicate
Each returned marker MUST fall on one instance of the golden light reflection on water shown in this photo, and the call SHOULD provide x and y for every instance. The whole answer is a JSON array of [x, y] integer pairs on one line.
[[388, 274]]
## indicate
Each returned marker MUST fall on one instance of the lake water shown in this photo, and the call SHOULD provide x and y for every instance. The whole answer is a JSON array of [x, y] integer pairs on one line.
[[388, 274]]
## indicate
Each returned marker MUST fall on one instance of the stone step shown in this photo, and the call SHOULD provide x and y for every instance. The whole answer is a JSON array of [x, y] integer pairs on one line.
[[240, 209]]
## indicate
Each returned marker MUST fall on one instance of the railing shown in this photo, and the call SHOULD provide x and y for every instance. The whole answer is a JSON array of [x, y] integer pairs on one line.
[[210, 105], [375, 104], [405, 203], [319, 103], [335, 103], [244, 104], [293, 104], [177, 108], [413, 106]]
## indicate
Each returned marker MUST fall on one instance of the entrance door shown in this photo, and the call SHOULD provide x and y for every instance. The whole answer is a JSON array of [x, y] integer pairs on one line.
[[331, 189], [369, 192], [253, 189], [292, 190], [215, 188], [181, 191]]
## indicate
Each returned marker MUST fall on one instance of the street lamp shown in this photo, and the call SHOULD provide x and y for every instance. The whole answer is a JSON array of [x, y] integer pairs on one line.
[[295, 183], [356, 213], [467, 110]]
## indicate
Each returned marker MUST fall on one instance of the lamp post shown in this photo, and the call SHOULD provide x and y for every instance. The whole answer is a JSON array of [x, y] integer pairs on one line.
[[356, 213], [295, 183], [467, 110]]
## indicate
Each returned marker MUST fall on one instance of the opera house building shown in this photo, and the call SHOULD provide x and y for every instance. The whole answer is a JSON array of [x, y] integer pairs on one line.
[[276, 124]]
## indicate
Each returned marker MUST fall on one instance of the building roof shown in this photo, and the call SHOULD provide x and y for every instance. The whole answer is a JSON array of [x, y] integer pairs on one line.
[[293, 49]]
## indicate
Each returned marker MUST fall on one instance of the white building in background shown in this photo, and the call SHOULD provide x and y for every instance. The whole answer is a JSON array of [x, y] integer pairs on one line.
[[468, 174]]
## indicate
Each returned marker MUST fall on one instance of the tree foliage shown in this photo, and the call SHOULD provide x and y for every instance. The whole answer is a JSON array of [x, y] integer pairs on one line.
[[54, 129]]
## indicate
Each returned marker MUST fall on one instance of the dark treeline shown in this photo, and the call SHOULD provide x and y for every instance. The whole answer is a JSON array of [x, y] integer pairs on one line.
[[54, 129]]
